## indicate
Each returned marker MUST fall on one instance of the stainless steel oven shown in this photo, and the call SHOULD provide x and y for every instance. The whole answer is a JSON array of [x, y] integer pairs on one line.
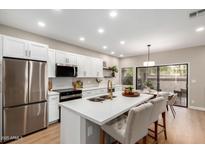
[[67, 95]]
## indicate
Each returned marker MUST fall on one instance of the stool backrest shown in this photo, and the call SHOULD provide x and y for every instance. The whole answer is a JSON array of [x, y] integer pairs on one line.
[[159, 106], [163, 94], [137, 123]]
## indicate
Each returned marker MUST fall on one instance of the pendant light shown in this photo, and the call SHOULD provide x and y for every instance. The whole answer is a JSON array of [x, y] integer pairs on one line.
[[148, 62]]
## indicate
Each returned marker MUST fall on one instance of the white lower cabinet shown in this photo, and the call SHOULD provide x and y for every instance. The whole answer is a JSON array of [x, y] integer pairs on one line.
[[53, 108]]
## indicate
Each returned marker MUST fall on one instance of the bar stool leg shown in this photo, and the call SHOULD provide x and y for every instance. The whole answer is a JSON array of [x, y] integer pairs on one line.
[[156, 131], [102, 137], [145, 140], [164, 124]]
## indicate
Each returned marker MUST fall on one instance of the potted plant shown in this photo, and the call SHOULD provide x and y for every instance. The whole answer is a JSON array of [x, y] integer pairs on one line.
[[114, 70]]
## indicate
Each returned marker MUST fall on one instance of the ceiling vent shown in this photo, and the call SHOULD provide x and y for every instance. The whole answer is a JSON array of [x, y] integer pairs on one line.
[[197, 13]]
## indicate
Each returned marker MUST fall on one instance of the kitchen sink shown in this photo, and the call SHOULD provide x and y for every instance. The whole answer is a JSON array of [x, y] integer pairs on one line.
[[96, 99], [106, 96], [100, 98]]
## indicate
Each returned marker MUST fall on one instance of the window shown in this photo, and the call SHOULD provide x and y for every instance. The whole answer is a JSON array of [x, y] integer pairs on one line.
[[127, 76]]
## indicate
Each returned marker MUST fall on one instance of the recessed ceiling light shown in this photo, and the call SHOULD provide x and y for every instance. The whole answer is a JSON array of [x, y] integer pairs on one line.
[[200, 29], [112, 52], [122, 42], [104, 47], [121, 55], [82, 39], [41, 24], [113, 14], [101, 30]]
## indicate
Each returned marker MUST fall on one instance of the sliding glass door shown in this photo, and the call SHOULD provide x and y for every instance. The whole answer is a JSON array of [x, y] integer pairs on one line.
[[170, 78], [147, 76]]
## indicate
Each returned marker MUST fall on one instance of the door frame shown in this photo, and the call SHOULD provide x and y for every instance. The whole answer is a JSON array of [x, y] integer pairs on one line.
[[158, 77]]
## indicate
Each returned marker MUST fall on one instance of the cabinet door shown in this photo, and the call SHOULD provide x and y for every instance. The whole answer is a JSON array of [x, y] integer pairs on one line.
[[38, 51], [13, 47], [65, 58], [71, 59], [97, 67], [60, 57], [51, 63], [53, 108], [81, 63], [100, 68]]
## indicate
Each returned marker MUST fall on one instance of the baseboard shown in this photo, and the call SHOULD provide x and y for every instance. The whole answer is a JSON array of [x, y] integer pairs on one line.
[[197, 108]]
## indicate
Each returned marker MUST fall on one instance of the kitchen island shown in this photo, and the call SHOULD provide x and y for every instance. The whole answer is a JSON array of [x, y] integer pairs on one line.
[[81, 118]]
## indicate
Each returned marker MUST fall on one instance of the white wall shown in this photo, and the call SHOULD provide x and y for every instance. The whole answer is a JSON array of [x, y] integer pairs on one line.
[[195, 56]]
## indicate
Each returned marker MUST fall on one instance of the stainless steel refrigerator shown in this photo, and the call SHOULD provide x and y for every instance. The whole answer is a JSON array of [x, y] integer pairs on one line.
[[24, 97]]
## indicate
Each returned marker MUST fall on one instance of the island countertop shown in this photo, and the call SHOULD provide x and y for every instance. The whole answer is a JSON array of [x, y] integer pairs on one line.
[[101, 113]]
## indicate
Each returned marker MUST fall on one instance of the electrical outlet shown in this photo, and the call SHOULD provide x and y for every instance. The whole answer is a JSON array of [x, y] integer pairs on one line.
[[90, 130]]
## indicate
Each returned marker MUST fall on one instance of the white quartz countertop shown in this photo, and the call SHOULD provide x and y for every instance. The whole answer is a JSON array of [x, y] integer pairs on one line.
[[101, 113]]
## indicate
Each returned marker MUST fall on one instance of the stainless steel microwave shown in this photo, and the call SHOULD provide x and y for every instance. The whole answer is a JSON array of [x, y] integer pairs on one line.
[[66, 70]]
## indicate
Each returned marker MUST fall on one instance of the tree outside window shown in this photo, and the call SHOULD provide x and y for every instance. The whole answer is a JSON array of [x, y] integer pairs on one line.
[[127, 76]]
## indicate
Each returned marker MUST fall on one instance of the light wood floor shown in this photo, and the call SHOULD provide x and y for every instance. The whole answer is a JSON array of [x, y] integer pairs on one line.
[[188, 127]]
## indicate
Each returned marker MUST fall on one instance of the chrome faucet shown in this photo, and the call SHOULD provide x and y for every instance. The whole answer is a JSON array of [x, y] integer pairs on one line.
[[109, 89]]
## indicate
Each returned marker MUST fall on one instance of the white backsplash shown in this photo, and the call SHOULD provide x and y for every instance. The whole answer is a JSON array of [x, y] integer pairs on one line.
[[62, 83], [66, 82]]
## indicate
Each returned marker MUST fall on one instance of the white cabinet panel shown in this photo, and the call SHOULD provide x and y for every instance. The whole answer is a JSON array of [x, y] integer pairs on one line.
[[38, 51], [13, 47], [51, 63], [97, 67], [18, 48], [82, 66], [65, 58], [53, 108], [89, 67]]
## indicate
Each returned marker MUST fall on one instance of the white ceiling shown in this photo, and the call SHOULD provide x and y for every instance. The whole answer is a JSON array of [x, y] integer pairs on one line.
[[164, 29]]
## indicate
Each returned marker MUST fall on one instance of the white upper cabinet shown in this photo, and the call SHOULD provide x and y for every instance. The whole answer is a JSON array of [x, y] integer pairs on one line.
[[51, 63], [81, 63], [18, 48], [38, 51], [13, 47], [89, 67], [97, 67], [65, 58]]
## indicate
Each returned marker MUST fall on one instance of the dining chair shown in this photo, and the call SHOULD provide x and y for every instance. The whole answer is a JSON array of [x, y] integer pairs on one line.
[[159, 108], [130, 129], [171, 103]]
